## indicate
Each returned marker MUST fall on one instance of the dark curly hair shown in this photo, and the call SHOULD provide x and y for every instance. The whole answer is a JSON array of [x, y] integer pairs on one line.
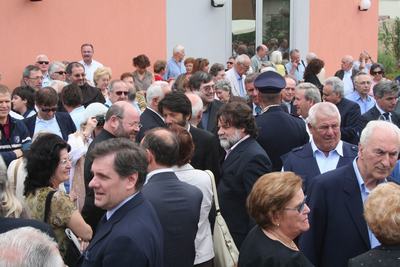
[[141, 61], [239, 115], [42, 160], [315, 66]]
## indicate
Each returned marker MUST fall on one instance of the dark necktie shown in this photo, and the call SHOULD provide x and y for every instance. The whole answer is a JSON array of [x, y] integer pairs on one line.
[[386, 115]]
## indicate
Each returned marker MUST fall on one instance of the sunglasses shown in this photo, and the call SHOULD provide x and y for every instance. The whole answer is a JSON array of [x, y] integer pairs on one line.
[[47, 110], [43, 62], [229, 62], [61, 72], [119, 93], [377, 72], [300, 207]]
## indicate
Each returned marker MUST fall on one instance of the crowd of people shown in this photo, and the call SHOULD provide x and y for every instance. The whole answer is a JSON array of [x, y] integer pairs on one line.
[[98, 171]]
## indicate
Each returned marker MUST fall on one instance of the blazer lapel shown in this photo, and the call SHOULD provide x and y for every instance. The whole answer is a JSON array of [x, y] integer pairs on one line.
[[355, 205]]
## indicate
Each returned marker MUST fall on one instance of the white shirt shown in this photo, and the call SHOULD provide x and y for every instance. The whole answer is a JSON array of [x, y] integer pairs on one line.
[[90, 69], [348, 82], [78, 116], [327, 163], [150, 174]]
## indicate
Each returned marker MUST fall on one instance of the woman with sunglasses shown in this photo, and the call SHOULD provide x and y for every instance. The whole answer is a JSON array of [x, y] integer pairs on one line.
[[277, 204], [377, 72]]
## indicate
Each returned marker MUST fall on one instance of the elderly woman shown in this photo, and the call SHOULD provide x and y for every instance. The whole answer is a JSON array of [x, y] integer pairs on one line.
[[102, 78], [141, 76], [223, 90], [381, 211], [276, 59], [277, 204], [200, 179], [48, 165]]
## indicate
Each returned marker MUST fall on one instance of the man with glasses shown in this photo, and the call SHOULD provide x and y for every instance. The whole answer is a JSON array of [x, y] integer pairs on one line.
[[57, 71], [338, 230], [118, 91], [325, 151], [362, 86], [122, 120], [32, 77], [202, 84], [42, 62], [237, 75], [386, 96], [76, 74], [47, 118]]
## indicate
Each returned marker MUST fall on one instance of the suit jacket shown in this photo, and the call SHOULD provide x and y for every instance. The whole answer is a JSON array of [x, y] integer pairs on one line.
[[293, 109], [64, 121], [350, 125], [280, 132], [212, 117], [380, 256], [374, 114], [302, 161], [338, 230], [177, 204], [240, 170], [90, 212], [7, 224], [206, 153], [340, 73], [149, 120], [132, 236], [230, 75]]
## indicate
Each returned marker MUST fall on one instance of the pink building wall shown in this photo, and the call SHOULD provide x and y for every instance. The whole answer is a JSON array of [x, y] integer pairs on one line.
[[338, 28], [119, 30]]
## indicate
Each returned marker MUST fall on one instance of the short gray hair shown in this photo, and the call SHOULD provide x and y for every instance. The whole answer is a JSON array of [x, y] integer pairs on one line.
[[326, 109], [224, 85], [114, 82], [375, 125], [154, 90], [28, 69], [242, 58], [26, 247], [337, 85], [54, 66], [178, 48], [311, 92], [385, 87], [276, 57]]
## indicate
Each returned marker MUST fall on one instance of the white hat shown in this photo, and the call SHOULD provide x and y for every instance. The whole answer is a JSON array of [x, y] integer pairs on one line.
[[94, 110]]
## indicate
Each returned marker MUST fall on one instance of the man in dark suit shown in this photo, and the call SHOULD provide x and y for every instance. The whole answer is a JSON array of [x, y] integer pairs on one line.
[[279, 132], [177, 203], [325, 151], [287, 95], [386, 95], [47, 119], [350, 112], [122, 120], [130, 232], [151, 117], [244, 163], [346, 74], [252, 94], [338, 230], [203, 83], [176, 108]]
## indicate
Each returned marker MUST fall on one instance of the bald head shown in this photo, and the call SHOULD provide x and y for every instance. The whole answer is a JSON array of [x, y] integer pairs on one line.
[[197, 107]]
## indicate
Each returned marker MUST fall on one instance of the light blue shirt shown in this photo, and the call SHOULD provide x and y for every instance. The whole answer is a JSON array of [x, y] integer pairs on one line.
[[78, 116], [299, 72], [109, 213], [327, 163], [365, 104], [47, 126], [241, 85], [174, 69], [364, 195]]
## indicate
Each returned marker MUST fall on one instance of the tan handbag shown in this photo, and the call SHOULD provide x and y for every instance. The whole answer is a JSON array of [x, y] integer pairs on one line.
[[226, 252]]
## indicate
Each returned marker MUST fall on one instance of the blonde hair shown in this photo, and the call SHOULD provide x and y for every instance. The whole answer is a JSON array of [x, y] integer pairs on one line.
[[10, 206], [101, 71], [382, 213]]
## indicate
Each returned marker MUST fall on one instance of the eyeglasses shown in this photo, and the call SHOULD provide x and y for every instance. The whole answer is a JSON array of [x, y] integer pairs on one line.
[[377, 72], [65, 161], [136, 124], [229, 62], [208, 88], [43, 62], [36, 78], [61, 72], [246, 67], [47, 110], [119, 93], [83, 75], [300, 207]]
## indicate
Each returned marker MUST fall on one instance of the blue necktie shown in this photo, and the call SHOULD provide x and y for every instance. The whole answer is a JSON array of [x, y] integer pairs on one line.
[[241, 89], [258, 110]]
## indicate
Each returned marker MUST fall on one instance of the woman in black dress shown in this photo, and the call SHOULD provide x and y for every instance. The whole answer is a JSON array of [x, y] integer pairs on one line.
[[277, 204]]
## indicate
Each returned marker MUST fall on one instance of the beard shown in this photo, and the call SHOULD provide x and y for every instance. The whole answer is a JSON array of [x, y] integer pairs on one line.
[[228, 142]]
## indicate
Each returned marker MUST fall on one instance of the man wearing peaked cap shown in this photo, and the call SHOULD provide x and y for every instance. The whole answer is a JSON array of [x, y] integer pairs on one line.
[[279, 132]]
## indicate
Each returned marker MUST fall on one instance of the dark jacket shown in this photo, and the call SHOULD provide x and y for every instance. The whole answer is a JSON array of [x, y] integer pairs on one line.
[[350, 124], [149, 120]]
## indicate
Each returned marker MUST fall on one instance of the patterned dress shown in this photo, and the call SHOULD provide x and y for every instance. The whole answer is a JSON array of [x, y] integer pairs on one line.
[[61, 210]]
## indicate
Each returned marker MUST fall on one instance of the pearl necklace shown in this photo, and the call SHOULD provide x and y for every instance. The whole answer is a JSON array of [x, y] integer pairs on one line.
[[282, 239]]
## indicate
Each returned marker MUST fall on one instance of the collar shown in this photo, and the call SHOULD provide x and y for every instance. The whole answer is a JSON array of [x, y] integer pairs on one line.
[[381, 110], [112, 211], [46, 121], [338, 148], [360, 179], [268, 107], [157, 171], [238, 142], [158, 114], [237, 75]]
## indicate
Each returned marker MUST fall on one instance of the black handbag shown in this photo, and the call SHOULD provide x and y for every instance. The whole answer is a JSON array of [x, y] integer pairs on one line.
[[72, 254]]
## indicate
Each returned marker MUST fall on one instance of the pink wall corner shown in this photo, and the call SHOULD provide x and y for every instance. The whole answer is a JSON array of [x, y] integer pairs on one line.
[[119, 30], [338, 28]]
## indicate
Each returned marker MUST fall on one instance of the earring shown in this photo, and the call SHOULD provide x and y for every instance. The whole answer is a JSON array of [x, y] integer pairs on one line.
[[277, 225]]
